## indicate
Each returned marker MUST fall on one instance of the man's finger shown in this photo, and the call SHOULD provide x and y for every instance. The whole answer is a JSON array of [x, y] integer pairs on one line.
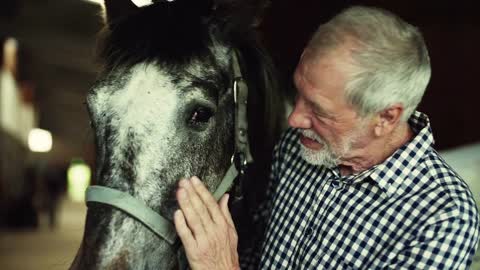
[[197, 203], [225, 210], [183, 231], [208, 199], [192, 218]]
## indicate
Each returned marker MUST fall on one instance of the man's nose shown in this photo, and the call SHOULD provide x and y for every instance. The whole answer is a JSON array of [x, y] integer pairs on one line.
[[299, 117]]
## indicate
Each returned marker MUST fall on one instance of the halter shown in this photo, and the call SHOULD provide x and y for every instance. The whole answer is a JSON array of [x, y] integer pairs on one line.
[[158, 224]]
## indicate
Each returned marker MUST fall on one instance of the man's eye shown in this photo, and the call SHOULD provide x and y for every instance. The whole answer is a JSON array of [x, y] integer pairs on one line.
[[200, 115]]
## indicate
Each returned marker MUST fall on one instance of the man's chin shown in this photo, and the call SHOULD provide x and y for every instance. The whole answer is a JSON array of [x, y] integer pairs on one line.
[[318, 157]]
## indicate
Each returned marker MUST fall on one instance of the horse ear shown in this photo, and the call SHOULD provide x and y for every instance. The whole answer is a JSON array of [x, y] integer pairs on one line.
[[117, 9]]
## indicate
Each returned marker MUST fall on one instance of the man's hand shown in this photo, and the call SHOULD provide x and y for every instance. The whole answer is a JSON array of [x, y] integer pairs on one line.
[[205, 228]]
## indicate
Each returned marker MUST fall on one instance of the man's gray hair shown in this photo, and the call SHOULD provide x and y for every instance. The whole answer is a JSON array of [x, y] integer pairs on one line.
[[390, 59]]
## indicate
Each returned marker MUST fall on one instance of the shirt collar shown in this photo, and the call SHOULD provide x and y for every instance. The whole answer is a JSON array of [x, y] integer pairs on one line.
[[389, 175]]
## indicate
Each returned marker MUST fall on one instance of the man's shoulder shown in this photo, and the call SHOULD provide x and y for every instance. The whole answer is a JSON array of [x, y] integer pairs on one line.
[[440, 172], [441, 179]]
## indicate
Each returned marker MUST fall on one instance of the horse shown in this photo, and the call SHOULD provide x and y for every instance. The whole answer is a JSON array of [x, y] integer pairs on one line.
[[162, 109]]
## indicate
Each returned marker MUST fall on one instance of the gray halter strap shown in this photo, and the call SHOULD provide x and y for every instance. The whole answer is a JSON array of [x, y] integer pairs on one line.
[[159, 225], [134, 207]]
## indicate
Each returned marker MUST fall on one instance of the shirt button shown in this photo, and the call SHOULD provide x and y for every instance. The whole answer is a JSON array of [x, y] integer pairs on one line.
[[308, 231], [336, 184]]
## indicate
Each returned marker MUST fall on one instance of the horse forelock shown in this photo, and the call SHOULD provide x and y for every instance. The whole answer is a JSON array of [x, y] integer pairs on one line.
[[148, 94], [174, 33]]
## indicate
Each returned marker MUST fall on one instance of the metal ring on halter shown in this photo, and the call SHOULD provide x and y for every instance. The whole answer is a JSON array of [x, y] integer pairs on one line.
[[235, 87]]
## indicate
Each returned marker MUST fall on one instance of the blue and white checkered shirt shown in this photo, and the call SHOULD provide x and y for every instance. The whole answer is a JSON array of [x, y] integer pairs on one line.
[[410, 212]]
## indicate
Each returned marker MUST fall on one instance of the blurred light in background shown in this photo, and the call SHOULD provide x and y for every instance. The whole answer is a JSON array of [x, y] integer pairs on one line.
[[10, 51], [100, 2], [141, 3], [40, 140], [78, 179], [138, 3]]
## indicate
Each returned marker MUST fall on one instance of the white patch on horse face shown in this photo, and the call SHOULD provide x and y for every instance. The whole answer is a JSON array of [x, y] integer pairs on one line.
[[146, 106]]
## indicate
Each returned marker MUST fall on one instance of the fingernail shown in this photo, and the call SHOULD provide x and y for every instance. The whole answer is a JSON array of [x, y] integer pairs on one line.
[[181, 182], [195, 180], [228, 196], [184, 183]]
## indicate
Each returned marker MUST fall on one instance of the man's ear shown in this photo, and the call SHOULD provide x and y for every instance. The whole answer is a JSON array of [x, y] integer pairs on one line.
[[118, 9], [388, 119]]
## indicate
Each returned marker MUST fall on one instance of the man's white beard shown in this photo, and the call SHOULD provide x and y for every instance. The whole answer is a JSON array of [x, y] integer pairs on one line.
[[325, 156]]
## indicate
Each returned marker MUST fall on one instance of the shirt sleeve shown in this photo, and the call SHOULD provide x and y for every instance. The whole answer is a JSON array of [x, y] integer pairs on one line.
[[448, 241]]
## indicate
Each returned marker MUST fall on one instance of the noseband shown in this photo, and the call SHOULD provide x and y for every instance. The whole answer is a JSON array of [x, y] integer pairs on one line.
[[241, 158]]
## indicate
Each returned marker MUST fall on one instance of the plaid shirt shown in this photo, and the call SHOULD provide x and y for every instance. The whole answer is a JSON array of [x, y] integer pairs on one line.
[[410, 212]]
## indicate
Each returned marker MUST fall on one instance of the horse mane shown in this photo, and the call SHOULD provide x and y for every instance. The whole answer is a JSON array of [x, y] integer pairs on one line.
[[174, 33]]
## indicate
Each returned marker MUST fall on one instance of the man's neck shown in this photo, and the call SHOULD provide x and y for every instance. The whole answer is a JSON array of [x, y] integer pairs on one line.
[[375, 152]]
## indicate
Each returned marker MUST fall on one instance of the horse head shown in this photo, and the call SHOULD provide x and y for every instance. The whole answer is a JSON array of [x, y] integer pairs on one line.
[[162, 109]]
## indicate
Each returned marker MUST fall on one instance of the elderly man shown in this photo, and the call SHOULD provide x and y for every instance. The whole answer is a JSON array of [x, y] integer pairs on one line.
[[355, 183]]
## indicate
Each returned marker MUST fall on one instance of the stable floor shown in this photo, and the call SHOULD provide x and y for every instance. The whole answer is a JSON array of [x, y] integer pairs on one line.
[[44, 249]]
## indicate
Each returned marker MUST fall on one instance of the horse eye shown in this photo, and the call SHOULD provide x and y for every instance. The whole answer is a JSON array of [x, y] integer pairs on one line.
[[200, 115]]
